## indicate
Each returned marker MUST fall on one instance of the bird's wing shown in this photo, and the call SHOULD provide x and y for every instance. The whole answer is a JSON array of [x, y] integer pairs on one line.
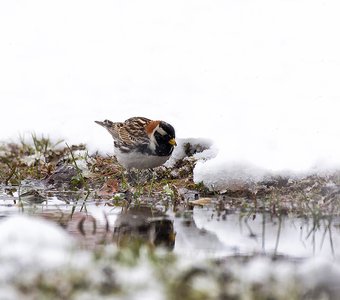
[[133, 131]]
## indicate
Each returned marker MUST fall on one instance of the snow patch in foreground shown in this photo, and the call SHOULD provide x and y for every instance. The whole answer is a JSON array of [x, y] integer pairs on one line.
[[35, 253], [30, 241]]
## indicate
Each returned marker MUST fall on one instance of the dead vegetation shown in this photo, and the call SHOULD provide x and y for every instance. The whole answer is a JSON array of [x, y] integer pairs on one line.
[[61, 167], [39, 170]]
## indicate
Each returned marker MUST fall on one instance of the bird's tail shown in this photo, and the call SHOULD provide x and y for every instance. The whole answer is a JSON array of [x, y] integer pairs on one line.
[[106, 123]]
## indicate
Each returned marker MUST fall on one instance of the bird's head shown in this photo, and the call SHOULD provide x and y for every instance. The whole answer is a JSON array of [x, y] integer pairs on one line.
[[163, 135]]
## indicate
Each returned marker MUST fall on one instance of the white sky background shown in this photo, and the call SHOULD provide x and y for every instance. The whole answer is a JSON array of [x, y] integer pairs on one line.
[[259, 77]]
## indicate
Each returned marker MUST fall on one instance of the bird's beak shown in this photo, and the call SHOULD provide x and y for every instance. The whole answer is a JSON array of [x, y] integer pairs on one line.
[[173, 142]]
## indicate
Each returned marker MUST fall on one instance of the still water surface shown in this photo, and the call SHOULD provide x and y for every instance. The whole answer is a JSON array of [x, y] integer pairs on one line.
[[201, 232]]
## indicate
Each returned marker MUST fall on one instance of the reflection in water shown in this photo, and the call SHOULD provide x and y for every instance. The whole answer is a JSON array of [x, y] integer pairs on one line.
[[144, 224], [194, 241], [203, 231], [266, 234], [120, 226]]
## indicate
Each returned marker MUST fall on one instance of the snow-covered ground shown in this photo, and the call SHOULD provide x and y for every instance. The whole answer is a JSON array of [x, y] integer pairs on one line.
[[43, 260], [260, 78]]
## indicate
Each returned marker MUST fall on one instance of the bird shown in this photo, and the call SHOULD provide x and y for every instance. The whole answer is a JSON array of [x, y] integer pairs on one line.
[[141, 143]]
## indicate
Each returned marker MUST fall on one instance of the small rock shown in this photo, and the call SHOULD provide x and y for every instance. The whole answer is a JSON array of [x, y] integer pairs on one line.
[[62, 176]]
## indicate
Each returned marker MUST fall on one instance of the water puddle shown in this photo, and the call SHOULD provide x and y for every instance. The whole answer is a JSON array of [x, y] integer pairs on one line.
[[201, 231], [219, 253], [206, 233]]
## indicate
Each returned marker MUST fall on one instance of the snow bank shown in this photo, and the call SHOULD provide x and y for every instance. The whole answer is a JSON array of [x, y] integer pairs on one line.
[[264, 89], [220, 170], [218, 175], [33, 242]]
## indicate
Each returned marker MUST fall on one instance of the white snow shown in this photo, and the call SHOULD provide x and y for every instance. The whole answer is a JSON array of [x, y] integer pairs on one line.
[[33, 242], [34, 248], [30, 245], [259, 78]]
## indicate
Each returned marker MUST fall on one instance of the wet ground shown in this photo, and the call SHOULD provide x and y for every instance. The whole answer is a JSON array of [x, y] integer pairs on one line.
[[204, 230], [89, 220], [198, 234]]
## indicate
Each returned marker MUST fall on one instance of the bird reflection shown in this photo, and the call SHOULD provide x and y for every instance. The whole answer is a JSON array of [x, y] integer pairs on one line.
[[144, 224]]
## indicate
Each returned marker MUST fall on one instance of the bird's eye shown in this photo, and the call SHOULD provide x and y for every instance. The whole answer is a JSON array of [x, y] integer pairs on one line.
[[161, 131]]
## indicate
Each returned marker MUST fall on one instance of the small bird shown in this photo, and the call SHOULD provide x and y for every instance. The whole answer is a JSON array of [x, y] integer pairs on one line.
[[141, 143]]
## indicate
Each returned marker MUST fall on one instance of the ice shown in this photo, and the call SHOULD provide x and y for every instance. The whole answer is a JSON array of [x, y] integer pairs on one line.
[[258, 78]]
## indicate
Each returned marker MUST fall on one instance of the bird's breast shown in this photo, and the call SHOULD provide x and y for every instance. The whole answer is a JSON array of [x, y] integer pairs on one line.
[[138, 160]]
